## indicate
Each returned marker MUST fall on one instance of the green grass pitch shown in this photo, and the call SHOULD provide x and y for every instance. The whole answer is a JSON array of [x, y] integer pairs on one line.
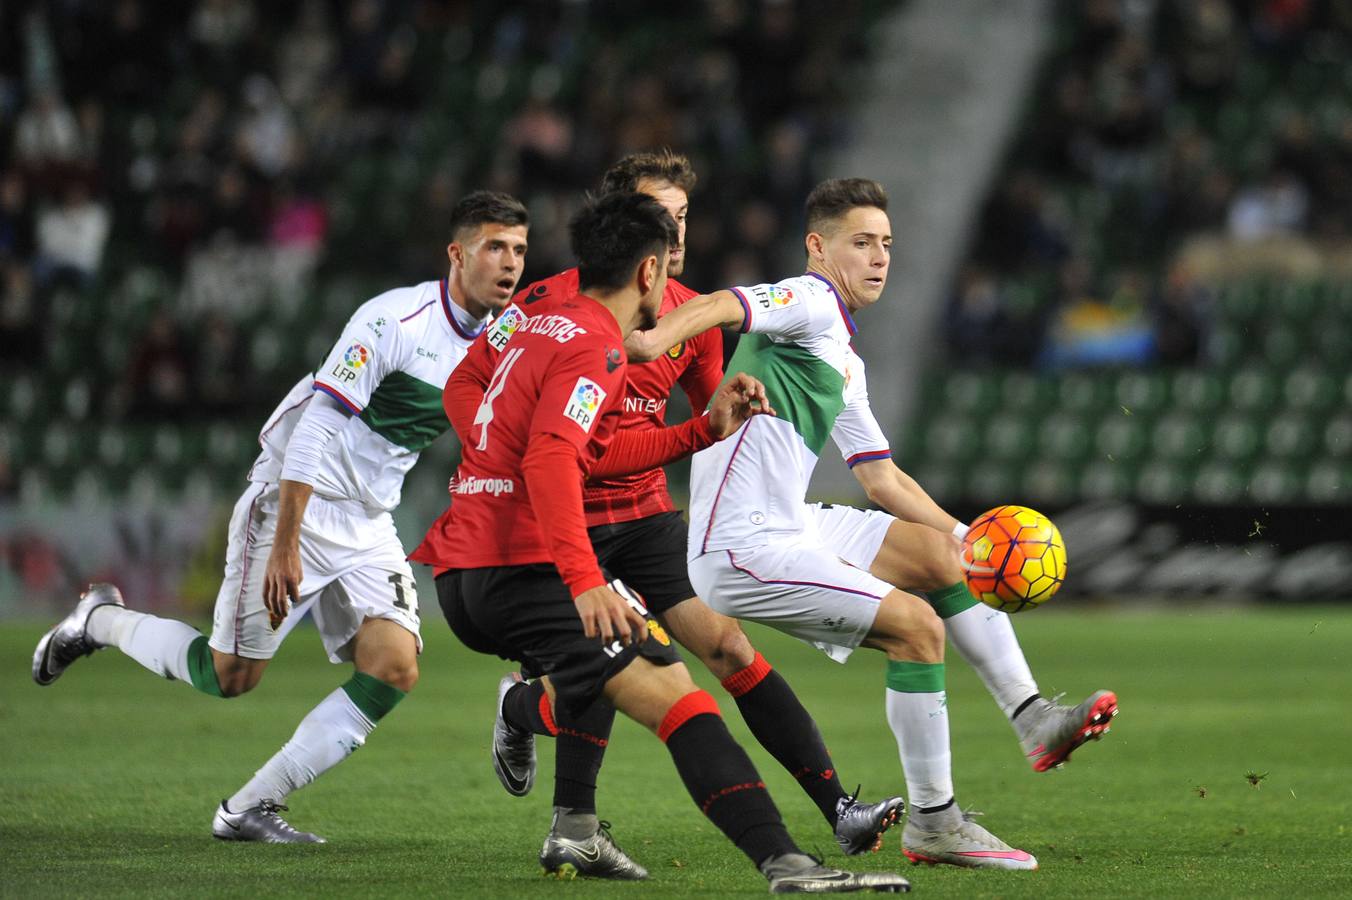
[[110, 777]]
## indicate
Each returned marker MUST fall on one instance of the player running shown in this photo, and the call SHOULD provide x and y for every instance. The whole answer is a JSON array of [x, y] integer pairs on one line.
[[552, 407], [640, 539], [829, 574], [314, 528]]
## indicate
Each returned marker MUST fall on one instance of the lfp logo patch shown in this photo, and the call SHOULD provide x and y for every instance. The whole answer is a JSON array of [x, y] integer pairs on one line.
[[781, 296], [505, 326], [584, 403], [356, 357]]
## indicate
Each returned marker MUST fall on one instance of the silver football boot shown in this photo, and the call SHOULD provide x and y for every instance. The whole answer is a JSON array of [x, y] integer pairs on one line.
[[70, 640], [1050, 732], [798, 873], [513, 749], [595, 857], [259, 823], [860, 826]]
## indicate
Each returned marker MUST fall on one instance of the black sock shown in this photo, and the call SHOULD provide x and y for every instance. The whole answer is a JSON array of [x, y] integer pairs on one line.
[[526, 707], [781, 724], [722, 781], [579, 751]]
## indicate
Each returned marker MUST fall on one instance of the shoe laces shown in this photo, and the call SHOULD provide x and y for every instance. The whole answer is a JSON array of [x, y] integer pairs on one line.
[[270, 808]]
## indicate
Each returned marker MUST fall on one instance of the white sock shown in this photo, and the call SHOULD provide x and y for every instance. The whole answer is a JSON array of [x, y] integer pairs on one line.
[[985, 638], [920, 724], [161, 645], [324, 738]]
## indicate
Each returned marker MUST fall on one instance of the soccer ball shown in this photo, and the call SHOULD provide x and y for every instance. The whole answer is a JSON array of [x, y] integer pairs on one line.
[[1013, 558]]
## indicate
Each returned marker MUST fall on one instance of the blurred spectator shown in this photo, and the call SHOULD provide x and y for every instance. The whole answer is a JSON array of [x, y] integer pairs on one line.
[[984, 329], [1181, 310], [219, 367], [157, 384], [1089, 331], [71, 236], [1275, 207]]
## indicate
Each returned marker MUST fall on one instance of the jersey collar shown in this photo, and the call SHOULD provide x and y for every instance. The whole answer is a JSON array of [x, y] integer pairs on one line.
[[840, 304], [451, 310]]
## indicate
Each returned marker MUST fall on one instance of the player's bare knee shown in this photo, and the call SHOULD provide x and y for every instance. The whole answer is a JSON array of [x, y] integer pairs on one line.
[[733, 652], [907, 628], [395, 671], [237, 681], [941, 563]]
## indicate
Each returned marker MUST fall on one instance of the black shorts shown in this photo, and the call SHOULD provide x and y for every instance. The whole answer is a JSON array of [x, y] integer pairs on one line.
[[526, 613], [648, 555]]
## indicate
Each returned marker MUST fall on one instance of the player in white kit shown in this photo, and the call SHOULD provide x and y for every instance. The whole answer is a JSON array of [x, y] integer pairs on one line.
[[824, 573], [314, 527]]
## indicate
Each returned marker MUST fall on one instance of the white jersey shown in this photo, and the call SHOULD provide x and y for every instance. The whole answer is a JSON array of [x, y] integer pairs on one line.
[[751, 488], [388, 368]]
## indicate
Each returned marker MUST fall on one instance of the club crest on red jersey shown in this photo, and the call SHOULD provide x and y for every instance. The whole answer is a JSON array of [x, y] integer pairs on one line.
[[675, 352]]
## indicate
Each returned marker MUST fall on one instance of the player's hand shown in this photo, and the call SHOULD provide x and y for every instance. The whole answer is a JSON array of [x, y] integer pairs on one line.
[[737, 399], [607, 614], [643, 346], [281, 582]]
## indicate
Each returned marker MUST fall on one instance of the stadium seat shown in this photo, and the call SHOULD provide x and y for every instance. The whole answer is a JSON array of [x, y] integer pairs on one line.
[[1237, 438], [1290, 437], [1219, 484], [1310, 389], [1197, 391], [1329, 482], [1122, 438], [1180, 436], [1065, 438], [1141, 393], [1275, 482], [1163, 481], [1104, 480], [1009, 438], [1338, 437], [1253, 391]]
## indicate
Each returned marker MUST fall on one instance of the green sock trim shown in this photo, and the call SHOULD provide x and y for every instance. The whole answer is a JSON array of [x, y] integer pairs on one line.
[[372, 696], [950, 601], [915, 677], [202, 668]]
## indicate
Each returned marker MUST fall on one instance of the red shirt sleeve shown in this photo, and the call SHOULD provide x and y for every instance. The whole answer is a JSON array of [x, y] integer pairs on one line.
[[556, 498], [465, 388], [638, 450], [701, 378]]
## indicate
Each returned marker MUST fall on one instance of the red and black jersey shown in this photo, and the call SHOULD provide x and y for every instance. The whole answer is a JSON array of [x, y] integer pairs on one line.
[[561, 377], [696, 365]]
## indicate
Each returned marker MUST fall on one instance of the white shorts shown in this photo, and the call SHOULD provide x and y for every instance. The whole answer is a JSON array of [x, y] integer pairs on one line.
[[353, 568], [815, 586]]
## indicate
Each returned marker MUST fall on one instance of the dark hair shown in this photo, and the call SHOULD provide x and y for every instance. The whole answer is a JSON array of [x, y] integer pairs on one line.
[[482, 207], [658, 165], [612, 234], [834, 198]]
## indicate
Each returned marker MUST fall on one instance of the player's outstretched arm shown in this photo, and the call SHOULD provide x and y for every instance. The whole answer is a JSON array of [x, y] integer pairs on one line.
[[737, 400], [720, 309], [901, 495]]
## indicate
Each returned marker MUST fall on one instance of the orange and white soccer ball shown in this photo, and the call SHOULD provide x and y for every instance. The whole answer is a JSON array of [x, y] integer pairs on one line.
[[1013, 558]]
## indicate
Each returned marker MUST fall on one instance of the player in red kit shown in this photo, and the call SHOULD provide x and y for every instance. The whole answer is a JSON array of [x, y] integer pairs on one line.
[[638, 534], [552, 407]]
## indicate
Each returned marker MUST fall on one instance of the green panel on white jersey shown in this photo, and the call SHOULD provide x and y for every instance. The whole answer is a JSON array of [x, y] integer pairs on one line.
[[406, 411], [803, 389]]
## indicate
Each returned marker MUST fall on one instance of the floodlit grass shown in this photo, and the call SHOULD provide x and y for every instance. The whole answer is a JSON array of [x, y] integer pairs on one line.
[[110, 777]]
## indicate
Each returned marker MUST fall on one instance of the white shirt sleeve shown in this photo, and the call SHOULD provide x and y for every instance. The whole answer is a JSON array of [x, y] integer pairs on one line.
[[366, 351], [856, 431], [791, 310], [322, 419]]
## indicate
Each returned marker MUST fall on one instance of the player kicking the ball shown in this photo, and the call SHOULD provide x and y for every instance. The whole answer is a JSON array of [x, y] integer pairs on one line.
[[548, 418], [314, 528], [639, 538], [830, 574]]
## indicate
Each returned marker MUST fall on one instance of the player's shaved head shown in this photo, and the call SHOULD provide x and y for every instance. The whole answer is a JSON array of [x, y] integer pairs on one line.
[[613, 233], [484, 208], [833, 199], [649, 165]]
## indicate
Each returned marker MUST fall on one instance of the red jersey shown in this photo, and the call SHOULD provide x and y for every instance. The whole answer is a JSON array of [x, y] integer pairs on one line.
[[562, 375], [696, 365]]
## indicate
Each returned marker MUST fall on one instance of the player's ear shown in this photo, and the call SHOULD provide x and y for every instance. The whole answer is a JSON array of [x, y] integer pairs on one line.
[[456, 254], [647, 274], [814, 242]]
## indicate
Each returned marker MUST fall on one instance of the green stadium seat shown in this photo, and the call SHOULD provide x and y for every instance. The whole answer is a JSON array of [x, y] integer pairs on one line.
[[1102, 480], [1229, 345], [58, 445], [970, 392], [1140, 393], [951, 437], [1338, 437], [1050, 483], [1065, 438], [1084, 393], [1021, 392], [1219, 484], [1329, 482], [1163, 480], [1291, 436], [1197, 391], [1237, 438], [1008, 438], [1179, 436], [1283, 346], [1276, 482], [1253, 391], [1122, 438], [1310, 389], [990, 483]]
